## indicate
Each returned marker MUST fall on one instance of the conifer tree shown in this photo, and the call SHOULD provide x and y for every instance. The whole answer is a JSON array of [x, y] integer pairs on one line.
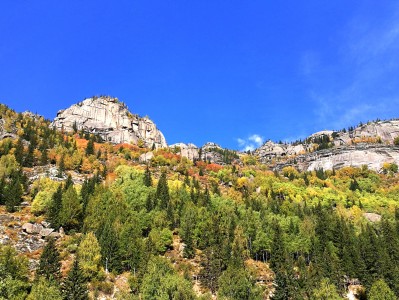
[[13, 192], [49, 264], [162, 193], [147, 177], [55, 209], [90, 147], [19, 151], [75, 287], [2, 190], [61, 167]]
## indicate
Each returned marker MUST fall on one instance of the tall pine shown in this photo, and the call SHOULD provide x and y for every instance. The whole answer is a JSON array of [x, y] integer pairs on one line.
[[75, 286], [49, 264]]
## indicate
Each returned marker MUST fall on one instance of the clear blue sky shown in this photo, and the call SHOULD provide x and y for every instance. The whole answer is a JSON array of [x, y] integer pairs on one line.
[[232, 72]]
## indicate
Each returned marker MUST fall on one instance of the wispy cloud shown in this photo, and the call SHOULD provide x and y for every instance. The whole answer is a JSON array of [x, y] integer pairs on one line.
[[250, 143], [361, 82]]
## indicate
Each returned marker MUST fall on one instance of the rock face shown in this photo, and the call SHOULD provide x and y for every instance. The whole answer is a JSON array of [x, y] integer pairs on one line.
[[382, 131], [270, 151], [112, 120], [373, 156], [190, 151], [369, 144]]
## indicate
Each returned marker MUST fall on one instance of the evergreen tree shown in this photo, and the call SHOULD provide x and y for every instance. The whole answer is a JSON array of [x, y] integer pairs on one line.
[[90, 147], [68, 182], [2, 190], [277, 250], [13, 192], [75, 286], [381, 291], [49, 264], [147, 177], [29, 159], [55, 209], [212, 265], [43, 289], [109, 243], [162, 193], [61, 167], [19, 151]]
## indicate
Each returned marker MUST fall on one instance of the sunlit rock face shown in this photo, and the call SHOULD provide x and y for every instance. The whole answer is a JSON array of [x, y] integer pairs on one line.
[[111, 119]]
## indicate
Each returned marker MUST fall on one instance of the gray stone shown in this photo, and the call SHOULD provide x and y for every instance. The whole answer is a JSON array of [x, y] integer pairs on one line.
[[112, 120], [32, 228], [46, 232], [54, 235]]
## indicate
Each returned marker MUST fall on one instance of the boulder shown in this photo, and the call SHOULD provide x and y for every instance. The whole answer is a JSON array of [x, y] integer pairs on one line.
[[45, 232], [32, 228]]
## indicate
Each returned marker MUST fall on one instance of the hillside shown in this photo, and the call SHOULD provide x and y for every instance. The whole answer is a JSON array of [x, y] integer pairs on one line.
[[121, 219]]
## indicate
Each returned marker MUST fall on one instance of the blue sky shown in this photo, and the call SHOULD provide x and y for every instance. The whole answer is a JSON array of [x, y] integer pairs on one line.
[[233, 72]]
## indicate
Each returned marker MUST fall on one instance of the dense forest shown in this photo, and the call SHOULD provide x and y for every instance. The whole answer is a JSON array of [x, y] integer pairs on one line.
[[178, 229]]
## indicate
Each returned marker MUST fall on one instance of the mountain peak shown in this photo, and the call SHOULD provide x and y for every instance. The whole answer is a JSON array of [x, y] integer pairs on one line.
[[110, 118]]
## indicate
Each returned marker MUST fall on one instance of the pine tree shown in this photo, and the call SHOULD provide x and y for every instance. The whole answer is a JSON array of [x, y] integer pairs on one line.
[[2, 190], [75, 287], [55, 209], [147, 177], [49, 264], [109, 243], [68, 182], [19, 151], [90, 147], [277, 249], [162, 193], [61, 167], [13, 192]]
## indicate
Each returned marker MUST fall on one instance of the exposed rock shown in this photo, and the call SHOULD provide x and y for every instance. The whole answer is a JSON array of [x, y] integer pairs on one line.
[[372, 217], [45, 232], [111, 119], [4, 219], [213, 153], [54, 235], [146, 157], [269, 151], [382, 131], [45, 224], [190, 151], [369, 144], [371, 155], [32, 228]]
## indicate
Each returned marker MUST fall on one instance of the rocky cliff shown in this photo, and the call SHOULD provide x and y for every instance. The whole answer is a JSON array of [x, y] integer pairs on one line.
[[111, 119], [370, 144], [373, 156]]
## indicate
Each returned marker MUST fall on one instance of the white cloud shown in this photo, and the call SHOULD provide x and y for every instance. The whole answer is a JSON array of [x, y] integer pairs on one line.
[[360, 84], [250, 143]]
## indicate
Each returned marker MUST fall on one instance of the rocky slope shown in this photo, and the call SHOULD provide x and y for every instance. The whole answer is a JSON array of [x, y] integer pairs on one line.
[[112, 120], [370, 144]]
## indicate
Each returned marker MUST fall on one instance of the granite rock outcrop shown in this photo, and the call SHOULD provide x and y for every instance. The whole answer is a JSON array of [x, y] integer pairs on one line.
[[110, 119]]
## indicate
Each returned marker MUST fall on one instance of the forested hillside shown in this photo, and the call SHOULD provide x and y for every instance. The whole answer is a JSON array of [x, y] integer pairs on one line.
[[172, 228]]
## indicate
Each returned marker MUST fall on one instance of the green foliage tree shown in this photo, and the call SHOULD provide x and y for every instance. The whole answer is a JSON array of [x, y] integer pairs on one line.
[[44, 289], [326, 291], [13, 274], [381, 291], [147, 177], [236, 283], [90, 147], [54, 212], [70, 215], [162, 193], [89, 253], [162, 282], [49, 263], [13, 192], [75, 286]]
